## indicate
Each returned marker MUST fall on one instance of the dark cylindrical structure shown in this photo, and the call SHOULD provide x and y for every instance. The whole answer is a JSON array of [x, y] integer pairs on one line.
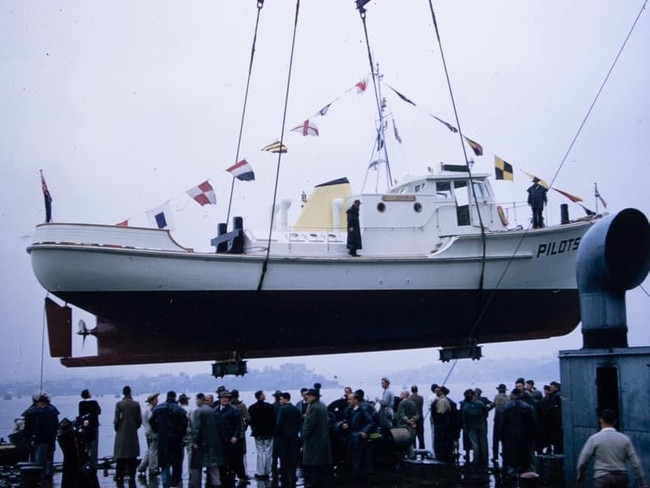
[[614, 256], [564, 214]]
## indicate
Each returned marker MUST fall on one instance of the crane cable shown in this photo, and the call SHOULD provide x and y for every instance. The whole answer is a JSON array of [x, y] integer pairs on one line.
[[260, 5]]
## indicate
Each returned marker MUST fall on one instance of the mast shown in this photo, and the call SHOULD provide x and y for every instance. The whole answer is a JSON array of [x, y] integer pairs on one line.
[[379, 160]]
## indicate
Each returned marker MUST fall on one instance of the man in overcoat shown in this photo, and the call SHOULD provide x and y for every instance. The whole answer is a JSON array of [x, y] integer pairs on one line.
[[127, 421], [207, 451], [169, 421], [316, 451], [285, 441], [354, 231], [228, 422], [537, 200]]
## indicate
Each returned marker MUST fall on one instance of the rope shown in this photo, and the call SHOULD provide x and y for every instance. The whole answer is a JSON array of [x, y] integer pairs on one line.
[[277, 169], [44, 322], [260, 4]]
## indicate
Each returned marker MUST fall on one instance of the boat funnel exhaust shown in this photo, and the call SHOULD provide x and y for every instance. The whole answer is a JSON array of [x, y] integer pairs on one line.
[[613, 257]]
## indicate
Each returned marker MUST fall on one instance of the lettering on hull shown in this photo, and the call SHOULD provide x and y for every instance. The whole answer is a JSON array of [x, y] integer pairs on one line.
[[558, 247]]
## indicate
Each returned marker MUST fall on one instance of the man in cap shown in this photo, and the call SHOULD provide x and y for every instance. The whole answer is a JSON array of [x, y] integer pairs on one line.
[[354, 230], [517, 426], [127, 421], [537, 200], [150, 458], [500, 400], [555, 435], [316, 451], [228, 422], [419, 403], [169, 421]]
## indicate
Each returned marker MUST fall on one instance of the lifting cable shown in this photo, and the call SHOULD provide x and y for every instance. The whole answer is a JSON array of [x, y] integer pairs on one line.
[[559, 169], [260, 4], [462, 143], [277, 168]]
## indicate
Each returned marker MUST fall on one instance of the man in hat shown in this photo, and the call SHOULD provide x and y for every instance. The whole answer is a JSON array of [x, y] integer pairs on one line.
[[537, 200], [169, 421], [500, 400], [354, 231], [127, 421], [228, 422], [45, 426], [150, 458], [555, 434], [90, 407], [517, 427], [316, 451], [240, 447]]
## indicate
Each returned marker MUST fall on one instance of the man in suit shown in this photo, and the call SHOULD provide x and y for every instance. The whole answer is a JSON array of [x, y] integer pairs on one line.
[[285, 441]]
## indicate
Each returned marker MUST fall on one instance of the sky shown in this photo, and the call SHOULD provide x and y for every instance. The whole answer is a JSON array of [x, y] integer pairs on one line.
[[126, 105]]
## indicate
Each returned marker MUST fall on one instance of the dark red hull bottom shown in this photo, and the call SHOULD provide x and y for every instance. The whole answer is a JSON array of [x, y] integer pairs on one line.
[[184, 326]]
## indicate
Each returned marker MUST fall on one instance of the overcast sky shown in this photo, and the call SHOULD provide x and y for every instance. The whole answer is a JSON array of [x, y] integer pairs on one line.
[[125, 105]]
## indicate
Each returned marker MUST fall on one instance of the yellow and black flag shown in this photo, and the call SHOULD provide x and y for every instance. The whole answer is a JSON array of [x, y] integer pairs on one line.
[[275, 147], [502, 169], [476, 147]]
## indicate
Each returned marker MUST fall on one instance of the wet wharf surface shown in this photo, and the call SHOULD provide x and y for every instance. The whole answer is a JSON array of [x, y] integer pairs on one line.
[[407, 474]]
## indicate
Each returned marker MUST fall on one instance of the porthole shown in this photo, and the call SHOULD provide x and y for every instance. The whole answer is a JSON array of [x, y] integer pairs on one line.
[[417, 206], [381, 206]]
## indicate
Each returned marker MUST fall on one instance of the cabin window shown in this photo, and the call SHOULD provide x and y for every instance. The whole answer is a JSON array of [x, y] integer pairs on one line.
[[419, 187], [443, 190], [480, 191], [462, 202]]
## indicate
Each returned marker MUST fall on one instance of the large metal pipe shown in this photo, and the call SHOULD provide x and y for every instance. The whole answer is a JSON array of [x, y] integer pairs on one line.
[[613, 257]]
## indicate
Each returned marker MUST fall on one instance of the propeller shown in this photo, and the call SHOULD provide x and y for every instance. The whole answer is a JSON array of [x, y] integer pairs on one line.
[[83, 331]]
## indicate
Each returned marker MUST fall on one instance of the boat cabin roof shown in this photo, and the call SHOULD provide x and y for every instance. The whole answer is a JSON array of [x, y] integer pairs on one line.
[[428, 183]]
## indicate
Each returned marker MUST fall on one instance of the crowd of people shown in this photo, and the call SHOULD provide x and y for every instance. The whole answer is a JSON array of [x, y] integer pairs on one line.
[[340, 439]]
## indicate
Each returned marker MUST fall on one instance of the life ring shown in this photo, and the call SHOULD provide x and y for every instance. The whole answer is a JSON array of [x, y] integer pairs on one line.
[[502, 216]]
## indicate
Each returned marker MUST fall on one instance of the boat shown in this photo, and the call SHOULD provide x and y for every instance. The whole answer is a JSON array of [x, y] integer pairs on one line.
[[440, 267], [428, 276]]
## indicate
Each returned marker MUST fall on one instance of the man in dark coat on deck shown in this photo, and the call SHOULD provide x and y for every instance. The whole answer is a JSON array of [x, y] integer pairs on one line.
[[354, 231], [537, 200]]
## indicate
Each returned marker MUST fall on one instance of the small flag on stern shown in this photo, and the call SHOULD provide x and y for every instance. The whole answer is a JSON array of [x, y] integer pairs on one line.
[[161, 217], [203, 194], [47, 198], [242, 171], [502, 169], [476, 147], [275, 147]]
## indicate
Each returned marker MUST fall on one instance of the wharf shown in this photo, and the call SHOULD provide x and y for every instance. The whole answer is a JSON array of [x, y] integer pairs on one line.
[[407, 474]]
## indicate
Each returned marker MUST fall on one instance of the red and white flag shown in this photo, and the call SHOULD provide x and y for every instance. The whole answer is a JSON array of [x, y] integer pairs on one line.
[[203, 194], [361, 86], [124, 223], [242, 171], [307, 128]]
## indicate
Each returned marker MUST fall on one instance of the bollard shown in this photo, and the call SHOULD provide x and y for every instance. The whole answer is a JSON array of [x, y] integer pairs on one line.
[[528, 480], [30, 474]]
